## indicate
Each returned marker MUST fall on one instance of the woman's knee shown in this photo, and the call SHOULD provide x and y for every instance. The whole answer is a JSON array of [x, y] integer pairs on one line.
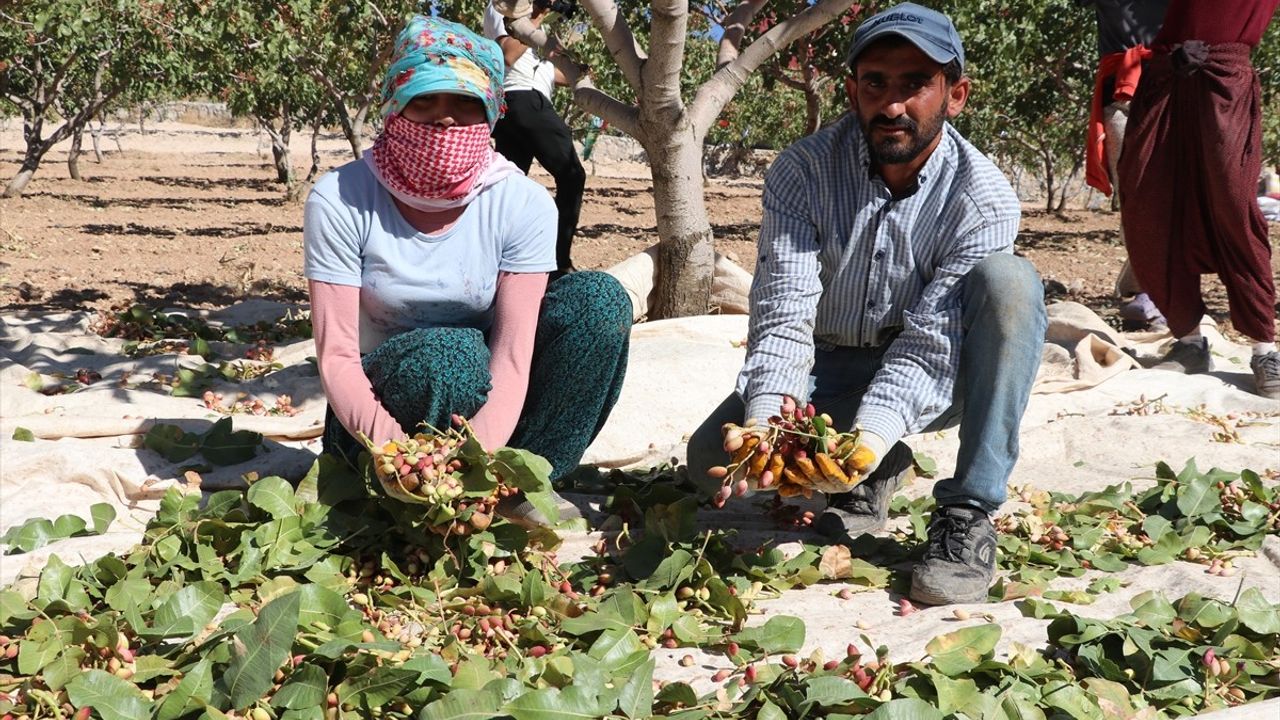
[[449, 365], [590, 301], [427, 348]]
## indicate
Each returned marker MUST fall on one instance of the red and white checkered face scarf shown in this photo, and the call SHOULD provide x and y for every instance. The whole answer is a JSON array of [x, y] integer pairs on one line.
[[433, 167]]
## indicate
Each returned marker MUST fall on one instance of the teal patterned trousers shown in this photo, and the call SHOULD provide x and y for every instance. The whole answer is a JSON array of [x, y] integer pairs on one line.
[[579, 360]]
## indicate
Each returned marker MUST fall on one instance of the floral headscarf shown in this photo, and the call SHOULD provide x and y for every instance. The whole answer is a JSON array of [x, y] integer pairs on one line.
[[434, 55]]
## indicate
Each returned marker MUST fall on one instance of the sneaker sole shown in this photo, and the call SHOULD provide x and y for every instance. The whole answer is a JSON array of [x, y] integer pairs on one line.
[[929, 598], [830, 525]]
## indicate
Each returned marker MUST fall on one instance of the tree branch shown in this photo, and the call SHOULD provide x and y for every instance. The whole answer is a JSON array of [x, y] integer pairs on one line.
[[624, 117], [6, 84], [608, 19], [92, 108], [735, 27], [59, 77], [590, 98], [716, 92], [668, 31]]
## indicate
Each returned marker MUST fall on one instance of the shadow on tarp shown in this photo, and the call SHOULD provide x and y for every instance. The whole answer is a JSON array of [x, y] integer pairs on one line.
[[270, 458], [34, 298]]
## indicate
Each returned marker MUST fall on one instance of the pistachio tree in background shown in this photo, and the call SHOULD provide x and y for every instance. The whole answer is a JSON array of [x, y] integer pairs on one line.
[[1032, 64], [669, 123], [63, 61], [251, 63], [344, 48], [813, 65]]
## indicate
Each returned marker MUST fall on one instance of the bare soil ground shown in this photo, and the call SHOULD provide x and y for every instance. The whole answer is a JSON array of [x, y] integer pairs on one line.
[[191, 215]]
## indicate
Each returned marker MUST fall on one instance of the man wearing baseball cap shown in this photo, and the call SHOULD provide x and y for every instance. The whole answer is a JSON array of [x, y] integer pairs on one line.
[[887, 294]]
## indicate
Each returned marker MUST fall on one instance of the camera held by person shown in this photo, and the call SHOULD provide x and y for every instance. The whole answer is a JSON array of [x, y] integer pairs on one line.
[[567, 8], [514, 9]]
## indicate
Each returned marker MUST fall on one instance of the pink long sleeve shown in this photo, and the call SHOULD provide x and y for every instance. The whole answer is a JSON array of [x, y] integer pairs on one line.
[[335, 321], [517, 303]]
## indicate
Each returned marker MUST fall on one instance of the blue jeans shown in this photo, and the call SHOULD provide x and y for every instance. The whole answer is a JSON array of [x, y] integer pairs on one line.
[[1004, 326]]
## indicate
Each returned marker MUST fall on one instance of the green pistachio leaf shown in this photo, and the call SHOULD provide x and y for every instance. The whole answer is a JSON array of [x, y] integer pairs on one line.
[[1256, 613], [193, 692], [274, 496], [905, 709], [555, 704], [464, 704], [1198, 497], [223, 446], [259, 649], [172, 442], [636, 698], [110, 697], [781, 633], [962, 650], [828, 691], [376, 687], [185, 613]]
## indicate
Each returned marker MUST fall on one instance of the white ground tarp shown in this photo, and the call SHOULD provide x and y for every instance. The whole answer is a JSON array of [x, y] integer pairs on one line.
[[1081, 432]]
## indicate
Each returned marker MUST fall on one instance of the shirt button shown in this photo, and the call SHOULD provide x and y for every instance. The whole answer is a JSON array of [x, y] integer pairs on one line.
[[871, 304], [879, 255]]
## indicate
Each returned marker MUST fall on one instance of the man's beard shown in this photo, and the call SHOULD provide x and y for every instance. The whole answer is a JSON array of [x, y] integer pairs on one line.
[[895, 151]]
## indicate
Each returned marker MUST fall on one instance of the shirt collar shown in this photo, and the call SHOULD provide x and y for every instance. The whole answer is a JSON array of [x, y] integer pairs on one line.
[[862, 153]]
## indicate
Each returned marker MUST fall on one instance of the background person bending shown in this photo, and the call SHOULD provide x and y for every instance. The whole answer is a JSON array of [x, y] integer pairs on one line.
[[1126, 29], [532, 129]]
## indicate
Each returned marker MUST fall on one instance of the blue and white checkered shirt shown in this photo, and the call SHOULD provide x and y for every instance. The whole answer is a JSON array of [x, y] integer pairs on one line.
[[842, 263]]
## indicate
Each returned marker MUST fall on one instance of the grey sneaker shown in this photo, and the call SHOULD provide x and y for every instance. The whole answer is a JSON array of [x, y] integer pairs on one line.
[[522, 512], [865, 508], [1189, 358], [959, 559], [1266, 374]]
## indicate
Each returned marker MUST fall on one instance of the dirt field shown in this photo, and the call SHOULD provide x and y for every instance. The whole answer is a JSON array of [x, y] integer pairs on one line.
[[191, 215]]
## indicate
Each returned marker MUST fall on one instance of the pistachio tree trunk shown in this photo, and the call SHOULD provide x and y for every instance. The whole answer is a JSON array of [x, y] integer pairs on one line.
[[73, 155], [686, 254], [670, 127], [280, 147]]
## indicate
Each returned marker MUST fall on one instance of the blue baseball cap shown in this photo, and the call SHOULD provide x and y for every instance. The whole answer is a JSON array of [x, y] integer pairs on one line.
[[927, 29]]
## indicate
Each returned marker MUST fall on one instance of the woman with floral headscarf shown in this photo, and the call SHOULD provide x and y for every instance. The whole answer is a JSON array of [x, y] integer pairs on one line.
[[428, 265]]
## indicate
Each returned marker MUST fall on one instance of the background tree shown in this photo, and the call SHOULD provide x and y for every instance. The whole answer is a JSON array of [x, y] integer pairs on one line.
[[344, 48], [670, 120], [253, 59], [1032, 63], [812, 66], [64, 61]]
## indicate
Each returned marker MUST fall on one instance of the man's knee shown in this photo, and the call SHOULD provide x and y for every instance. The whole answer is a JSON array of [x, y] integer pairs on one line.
[[1007, 287]]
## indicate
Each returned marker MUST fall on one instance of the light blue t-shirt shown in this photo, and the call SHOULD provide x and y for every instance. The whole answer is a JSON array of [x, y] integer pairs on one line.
[[353, 234]]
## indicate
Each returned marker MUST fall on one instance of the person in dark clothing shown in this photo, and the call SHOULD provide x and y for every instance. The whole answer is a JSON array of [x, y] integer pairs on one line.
[[1126, 29], [1191, 159], [532, 129]]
